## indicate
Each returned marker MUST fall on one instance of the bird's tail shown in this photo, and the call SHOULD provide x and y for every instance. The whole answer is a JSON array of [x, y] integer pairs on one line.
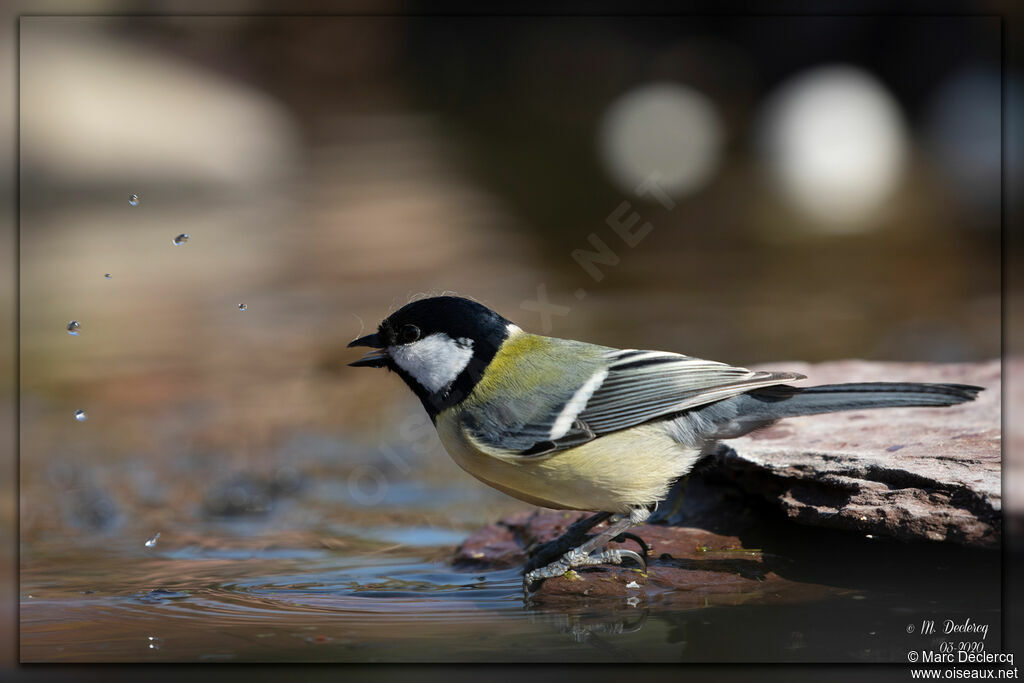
[[761, 407], [787, 401]]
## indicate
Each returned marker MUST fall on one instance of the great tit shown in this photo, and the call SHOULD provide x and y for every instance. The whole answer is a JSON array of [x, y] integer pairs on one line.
[[575, 426]]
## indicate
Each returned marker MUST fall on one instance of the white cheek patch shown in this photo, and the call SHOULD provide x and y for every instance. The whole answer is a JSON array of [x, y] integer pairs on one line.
[[434, 361]]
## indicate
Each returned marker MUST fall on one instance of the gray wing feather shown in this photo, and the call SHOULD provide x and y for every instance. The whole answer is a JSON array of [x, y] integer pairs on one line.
[[639, 386], [642, 386]]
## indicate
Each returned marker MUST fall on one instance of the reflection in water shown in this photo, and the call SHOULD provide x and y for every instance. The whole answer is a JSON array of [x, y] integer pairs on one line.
[[590, 627]]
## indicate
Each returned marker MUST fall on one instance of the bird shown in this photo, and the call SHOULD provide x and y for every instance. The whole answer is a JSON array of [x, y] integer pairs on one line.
[[571, 425]]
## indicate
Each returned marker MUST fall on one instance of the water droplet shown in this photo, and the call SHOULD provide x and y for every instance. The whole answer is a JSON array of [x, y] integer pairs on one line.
[[151, 543], [242, 307], [133, 199], [106, 276], [81, 416], [180, 239], [73, 328]]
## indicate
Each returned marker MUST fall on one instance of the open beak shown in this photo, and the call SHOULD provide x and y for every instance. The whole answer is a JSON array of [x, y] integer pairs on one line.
[[377, 358]]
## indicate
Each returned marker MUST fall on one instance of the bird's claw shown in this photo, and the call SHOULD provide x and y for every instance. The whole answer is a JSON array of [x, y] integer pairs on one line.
[[621, 538], [576, 558], [629, 555]]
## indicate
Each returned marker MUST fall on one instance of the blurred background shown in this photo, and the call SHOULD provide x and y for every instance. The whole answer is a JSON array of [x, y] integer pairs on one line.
[[747, 189]]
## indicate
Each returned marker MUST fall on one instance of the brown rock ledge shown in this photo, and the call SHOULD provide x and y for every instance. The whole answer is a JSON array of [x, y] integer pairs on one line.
[[689, 567], [906, 473]]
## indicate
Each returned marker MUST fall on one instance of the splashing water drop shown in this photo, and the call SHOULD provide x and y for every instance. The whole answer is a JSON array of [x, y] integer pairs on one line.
[[133, 199], [81, 416], [151, 543], [73, 328], [242, 307], [180, 239]]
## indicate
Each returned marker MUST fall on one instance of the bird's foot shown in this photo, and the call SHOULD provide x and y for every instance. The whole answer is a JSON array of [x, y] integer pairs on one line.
[[577, 558], [544, 554]]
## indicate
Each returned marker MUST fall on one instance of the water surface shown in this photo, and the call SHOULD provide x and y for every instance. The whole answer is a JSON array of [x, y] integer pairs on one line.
[[381, 599]]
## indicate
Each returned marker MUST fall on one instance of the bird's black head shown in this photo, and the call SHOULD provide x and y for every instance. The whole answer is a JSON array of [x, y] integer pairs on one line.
[[439, 346]]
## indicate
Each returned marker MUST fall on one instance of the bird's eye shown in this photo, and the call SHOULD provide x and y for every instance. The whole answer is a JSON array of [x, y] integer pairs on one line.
[[410, 333]]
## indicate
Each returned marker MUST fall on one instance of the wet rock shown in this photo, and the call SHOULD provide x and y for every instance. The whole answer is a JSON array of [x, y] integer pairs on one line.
[[905, 473], [494, 546], [687, 567]]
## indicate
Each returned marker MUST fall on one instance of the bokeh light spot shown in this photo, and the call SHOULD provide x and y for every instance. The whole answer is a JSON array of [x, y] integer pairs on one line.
[[836, 146], [663, 128]]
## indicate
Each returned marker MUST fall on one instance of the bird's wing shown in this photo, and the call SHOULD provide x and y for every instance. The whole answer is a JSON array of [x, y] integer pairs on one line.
[[629, 388], [643, 385]]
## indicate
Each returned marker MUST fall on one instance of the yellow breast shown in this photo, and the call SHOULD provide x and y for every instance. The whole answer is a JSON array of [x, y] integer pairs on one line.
[[613, 473]]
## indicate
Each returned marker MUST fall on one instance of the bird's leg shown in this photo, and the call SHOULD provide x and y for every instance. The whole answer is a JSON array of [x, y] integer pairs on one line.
[[593, 551], [573, 536]]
